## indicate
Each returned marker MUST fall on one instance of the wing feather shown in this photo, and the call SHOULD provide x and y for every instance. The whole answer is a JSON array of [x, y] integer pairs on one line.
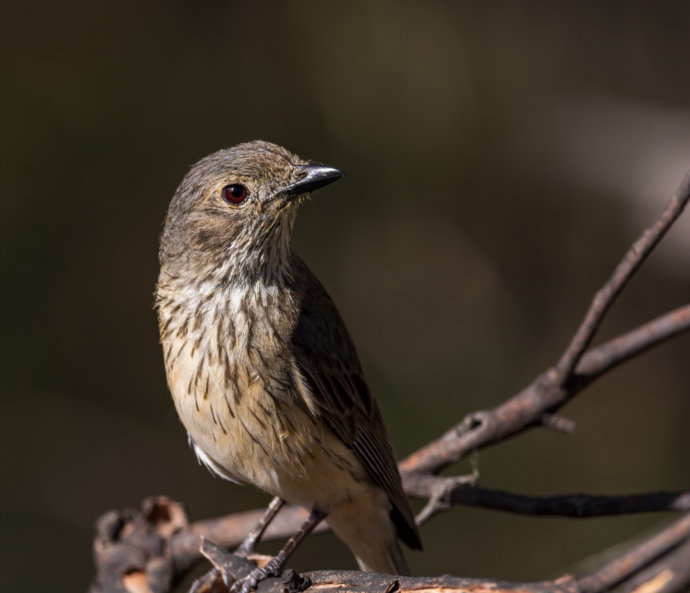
[[327, 360]]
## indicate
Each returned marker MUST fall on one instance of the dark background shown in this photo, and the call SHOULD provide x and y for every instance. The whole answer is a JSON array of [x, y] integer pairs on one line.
[[500, 158]]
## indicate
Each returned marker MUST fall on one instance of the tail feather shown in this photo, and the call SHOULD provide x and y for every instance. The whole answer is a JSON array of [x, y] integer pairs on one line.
[[388, 561], [366, 527]]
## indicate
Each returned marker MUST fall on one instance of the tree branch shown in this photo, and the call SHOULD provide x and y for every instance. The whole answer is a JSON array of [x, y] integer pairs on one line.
[[607, 294], [669, 575], [629, 564], [557, 385], [602, 359], [155, 548], [447, 491], [542, 397]]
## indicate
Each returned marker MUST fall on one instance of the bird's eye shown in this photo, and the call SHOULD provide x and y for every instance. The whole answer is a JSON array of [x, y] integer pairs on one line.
[[235, 193]]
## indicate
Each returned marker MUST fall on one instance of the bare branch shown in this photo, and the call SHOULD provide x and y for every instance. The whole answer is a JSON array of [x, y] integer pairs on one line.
[[440, 494], [672, 569], [628, 564], [607, 294], [553, 388], [359, 582], [558, 423], [452, 492], [670, 575], [601, 359], [542, 397], [145, 549]]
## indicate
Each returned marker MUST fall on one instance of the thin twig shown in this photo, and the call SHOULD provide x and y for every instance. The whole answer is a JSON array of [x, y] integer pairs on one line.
[[630, 563], [607, 294], [601, 359], [670, 575], [563, 505], [441, 494]]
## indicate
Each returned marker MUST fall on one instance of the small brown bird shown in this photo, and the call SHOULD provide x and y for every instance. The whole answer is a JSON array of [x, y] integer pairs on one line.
[[261, 367]]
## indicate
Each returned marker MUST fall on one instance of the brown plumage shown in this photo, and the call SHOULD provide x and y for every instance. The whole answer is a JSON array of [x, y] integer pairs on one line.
[[261, 367]]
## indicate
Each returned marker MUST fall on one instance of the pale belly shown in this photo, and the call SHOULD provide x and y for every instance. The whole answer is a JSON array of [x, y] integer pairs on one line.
[[250, 432]]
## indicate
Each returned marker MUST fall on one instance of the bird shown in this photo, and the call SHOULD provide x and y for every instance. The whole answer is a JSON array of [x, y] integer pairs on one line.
[[262, 370]]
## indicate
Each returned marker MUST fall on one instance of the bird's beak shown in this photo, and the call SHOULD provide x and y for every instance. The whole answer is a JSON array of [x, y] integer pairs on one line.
[[315, 176]]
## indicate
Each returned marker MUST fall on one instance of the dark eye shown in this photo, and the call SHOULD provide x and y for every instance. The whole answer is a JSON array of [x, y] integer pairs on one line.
[[234, 193]]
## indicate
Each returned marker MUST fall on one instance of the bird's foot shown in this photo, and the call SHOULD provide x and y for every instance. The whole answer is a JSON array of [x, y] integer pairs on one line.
[[225, 566], [273, 567], [244, 585]]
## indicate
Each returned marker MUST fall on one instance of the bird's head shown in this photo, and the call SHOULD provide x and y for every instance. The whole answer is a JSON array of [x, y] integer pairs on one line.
[[236, 207]]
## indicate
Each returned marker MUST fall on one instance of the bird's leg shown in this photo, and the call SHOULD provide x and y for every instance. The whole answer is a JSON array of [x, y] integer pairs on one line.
[[275, 564], [253, 537]]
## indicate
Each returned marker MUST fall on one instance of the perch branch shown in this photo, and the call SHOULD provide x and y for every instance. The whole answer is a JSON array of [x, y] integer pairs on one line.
[[651, 555], [151, 544]]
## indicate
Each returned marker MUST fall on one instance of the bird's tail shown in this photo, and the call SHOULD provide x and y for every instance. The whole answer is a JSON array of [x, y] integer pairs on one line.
[[389, 560], [368, 531]]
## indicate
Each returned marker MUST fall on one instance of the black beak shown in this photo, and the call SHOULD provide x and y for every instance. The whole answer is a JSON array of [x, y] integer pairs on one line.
[[316, 176]]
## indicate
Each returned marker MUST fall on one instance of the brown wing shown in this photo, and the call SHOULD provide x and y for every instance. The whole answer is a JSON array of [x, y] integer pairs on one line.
[[328, 362]]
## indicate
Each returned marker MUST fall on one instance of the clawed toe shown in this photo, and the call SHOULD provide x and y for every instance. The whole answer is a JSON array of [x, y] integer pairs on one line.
[[223, 563], [249, 582]]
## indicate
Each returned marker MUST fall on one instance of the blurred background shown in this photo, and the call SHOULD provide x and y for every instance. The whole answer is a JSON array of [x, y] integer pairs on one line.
[[500, 159]]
